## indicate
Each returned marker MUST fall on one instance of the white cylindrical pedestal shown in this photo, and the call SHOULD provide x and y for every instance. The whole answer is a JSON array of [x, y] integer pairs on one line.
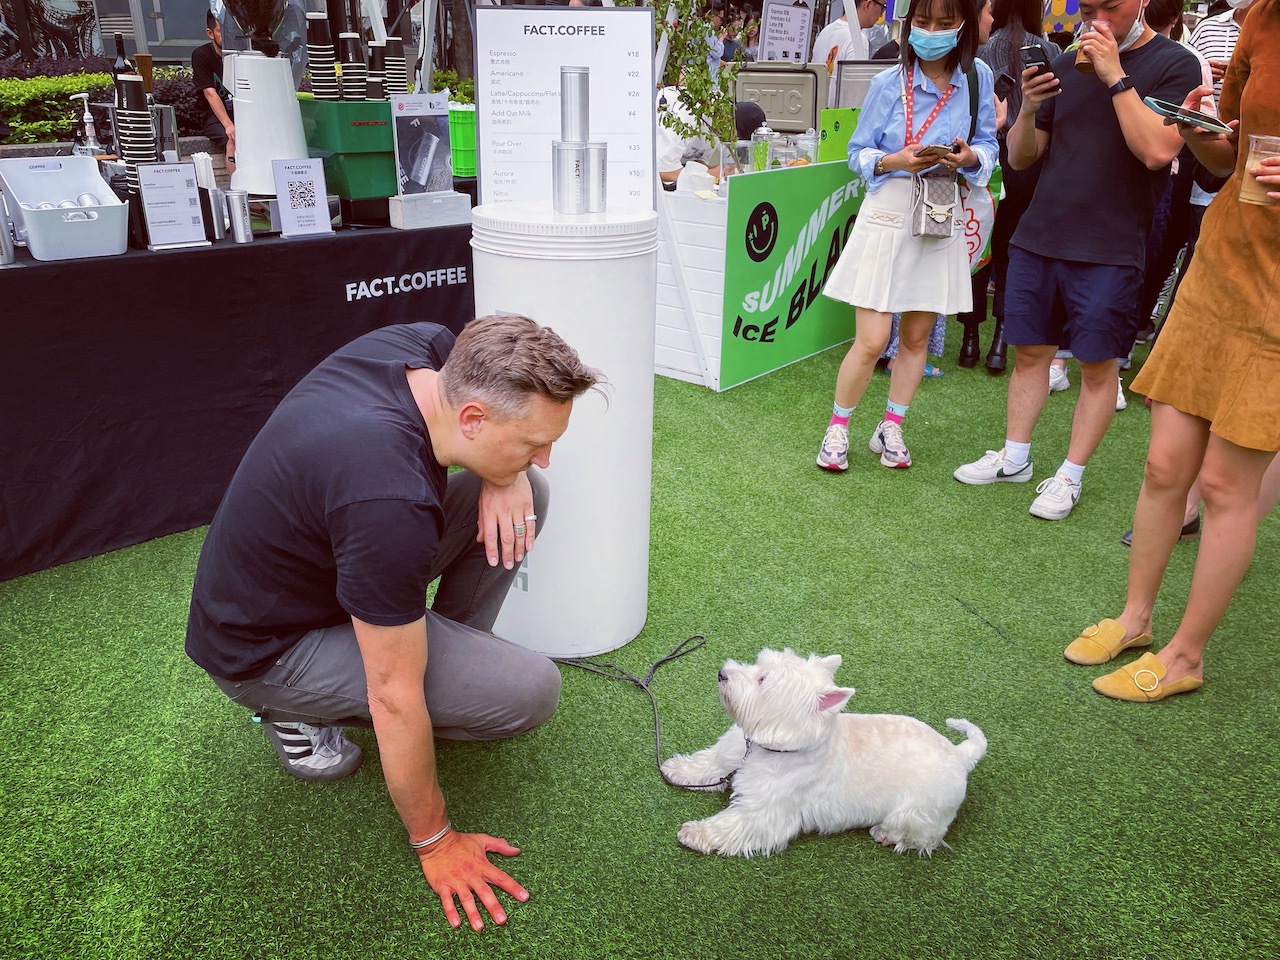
[[593, 279]]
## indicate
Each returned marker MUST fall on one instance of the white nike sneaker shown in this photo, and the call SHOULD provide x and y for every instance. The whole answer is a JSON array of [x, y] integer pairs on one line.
[[993, 467], [1057, 498], [1058, 379], [1121, 402]]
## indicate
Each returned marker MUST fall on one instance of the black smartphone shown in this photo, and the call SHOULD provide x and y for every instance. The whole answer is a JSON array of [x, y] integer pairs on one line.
[[1033, 56], [1005, 85]]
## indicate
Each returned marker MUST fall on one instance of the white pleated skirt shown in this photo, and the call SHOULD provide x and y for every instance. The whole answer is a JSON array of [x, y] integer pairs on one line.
[[884, 268]]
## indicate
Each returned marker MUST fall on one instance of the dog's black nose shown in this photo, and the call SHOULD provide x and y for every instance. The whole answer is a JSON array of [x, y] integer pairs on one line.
[[722, 676]]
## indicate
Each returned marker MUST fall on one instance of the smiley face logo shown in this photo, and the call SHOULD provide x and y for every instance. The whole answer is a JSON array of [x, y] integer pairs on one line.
[[762, 232]]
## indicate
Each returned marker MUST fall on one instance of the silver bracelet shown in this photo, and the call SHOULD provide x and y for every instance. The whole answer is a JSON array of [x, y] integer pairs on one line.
[[423, 844]]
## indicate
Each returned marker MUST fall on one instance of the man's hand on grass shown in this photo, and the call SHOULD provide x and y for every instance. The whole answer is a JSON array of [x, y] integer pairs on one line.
[[459, 867]]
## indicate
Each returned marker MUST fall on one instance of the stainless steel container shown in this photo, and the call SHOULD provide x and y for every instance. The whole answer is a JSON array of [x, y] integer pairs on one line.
[[568, 177], [597, 162], [238, 214], [6, 238], [218, 212], [575, 119]]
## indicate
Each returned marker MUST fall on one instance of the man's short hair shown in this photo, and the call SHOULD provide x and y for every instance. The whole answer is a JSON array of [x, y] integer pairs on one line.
[[210, 21], [503, 361]]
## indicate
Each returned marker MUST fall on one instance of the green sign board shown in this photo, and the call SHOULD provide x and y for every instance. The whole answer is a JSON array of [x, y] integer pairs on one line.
[[786, 229], [837, 126]]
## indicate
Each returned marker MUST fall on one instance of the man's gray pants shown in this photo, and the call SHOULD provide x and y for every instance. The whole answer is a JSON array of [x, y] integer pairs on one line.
[[478, 687]]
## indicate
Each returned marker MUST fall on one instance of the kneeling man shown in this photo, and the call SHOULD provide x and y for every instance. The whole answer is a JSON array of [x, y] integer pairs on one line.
[[309, 605]]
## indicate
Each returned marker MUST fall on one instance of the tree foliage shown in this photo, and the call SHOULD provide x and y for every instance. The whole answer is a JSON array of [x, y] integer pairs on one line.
[[709, 100]]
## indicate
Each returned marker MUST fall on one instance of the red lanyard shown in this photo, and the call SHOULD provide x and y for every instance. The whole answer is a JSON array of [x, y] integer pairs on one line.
[[909, 106]]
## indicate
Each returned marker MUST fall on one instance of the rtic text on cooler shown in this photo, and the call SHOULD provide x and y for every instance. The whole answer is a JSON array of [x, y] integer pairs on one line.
[[406, 283]]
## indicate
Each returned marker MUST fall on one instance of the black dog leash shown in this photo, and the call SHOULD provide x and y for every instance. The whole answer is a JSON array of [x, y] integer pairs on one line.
[[614, 672]]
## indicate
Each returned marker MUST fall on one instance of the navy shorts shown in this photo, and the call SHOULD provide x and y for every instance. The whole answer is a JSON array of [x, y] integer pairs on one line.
[[1088, 308]]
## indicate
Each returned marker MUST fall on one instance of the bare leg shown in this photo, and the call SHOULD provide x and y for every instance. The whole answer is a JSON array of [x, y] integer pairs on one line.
[[1193, 500], [1270, 494], [913, 354], [1173, 459], [860, 362], [1095, 408], [1231, 480], [1028, 389]]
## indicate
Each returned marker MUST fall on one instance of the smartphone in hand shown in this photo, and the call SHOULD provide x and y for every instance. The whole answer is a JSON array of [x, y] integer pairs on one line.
[[1192, 118], [1034, 56], [936, 151]]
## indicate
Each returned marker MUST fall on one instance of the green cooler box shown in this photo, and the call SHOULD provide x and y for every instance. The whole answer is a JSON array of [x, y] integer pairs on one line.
[[353, 138]]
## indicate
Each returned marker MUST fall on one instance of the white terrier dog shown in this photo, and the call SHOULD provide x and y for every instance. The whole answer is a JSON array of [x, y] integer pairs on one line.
[[798, 764]]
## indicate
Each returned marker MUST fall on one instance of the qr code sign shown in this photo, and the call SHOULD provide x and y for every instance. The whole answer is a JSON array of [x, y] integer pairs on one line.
[[302, 194]]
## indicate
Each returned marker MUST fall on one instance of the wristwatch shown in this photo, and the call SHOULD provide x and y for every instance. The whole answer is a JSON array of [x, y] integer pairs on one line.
[[1120, 86], [879, 170]]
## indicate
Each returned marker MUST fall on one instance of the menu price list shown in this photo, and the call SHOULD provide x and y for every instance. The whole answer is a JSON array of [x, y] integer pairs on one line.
[[518, 97]]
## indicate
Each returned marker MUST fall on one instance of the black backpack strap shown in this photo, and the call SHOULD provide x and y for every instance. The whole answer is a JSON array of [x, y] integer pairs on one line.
[[972, 77]]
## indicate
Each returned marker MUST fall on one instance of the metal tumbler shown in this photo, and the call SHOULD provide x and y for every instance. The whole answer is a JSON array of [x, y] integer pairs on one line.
[[575, 120], [238, 214]]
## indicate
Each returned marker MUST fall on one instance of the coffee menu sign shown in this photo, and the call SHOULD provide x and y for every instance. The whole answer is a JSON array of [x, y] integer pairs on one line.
[[519, 53]]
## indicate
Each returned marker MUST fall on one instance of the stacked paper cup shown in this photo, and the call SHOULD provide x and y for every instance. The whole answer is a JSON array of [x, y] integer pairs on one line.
[[396, 66], [321, 58], [377, 70], [354, 72], [135, 132]]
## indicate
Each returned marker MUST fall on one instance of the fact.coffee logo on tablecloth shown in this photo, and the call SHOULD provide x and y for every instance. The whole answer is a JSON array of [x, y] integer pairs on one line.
[[762, 232]]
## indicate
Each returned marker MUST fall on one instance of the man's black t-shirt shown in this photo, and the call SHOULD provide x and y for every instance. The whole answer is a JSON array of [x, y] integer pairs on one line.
[[206, 71], [1095, 200], [335, 510]]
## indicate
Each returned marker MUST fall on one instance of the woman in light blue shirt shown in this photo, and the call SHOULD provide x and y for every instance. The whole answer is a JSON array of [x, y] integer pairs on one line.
[[883, 269]]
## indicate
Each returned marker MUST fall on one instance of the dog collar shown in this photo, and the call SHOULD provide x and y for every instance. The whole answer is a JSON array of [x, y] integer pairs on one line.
[[751, 744]]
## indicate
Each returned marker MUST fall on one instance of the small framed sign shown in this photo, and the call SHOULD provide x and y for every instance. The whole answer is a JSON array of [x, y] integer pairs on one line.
[[420, 128], [171, 205], [785, 32], [303, 204]]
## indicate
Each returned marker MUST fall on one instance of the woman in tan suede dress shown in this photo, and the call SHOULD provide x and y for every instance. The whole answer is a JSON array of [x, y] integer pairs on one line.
[[1214, 381]]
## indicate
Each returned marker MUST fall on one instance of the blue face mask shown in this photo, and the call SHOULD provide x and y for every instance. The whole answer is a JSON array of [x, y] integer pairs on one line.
[[933, 44]]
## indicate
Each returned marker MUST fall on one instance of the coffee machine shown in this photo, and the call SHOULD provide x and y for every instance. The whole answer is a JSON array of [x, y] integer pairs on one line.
[[267, 119]]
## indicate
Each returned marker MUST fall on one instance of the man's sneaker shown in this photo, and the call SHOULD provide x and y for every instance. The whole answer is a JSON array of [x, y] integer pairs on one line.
[[1121, 402], [1057, 497], [313, 753], [1058, 379], [834, 453], [887, 441], [993, 468]]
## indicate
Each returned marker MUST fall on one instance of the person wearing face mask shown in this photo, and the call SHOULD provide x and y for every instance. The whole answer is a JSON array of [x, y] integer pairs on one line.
[[1076, 258], [939, 96]]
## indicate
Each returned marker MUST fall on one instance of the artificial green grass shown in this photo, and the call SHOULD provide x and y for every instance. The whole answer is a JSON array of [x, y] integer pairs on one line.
[[146, 817]]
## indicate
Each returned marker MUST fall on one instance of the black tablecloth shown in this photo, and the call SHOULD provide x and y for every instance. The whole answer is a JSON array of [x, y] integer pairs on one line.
[[131, 386]]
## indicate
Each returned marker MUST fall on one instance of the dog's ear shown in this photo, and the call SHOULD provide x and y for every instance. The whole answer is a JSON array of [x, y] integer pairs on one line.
[[835, 699], [831, 663]]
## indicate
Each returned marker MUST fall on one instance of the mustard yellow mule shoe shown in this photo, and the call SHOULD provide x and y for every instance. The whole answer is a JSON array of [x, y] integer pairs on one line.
[[1102, 642], [1143, 682]]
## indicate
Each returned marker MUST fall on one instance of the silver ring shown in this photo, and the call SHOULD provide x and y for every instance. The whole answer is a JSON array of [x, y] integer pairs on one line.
[[520, 530], [531, 517]]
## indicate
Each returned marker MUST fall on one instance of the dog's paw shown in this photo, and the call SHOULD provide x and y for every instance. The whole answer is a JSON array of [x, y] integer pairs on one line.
[[696, 836], [686, 770]]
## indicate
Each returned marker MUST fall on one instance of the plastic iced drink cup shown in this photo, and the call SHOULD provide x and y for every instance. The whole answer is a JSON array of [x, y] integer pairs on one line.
[[1083, 63], [1251, 191]]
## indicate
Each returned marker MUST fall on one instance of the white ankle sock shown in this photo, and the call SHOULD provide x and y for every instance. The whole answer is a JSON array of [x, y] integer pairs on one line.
[[1017, 453], [1071, 471]]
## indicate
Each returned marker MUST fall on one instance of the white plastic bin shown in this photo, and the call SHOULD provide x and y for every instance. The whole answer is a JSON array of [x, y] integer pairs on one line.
[[63, 233], [584, 588]]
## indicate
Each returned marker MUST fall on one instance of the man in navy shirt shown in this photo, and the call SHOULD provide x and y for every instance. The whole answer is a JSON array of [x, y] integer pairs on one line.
[[309, 604], [1076, 258]]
